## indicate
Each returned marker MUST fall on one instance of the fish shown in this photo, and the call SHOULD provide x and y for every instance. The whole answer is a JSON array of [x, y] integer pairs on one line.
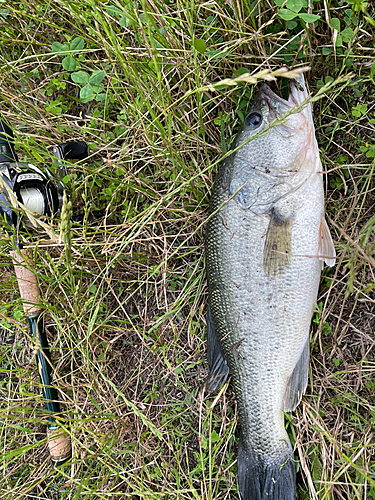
[[266, 243]]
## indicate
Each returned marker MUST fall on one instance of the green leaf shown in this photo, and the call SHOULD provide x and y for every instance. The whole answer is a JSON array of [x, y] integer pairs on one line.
[[339, 40], [59, 48], [17, 315], [370, 20], [316, 469], [200, 45], [372, 69], [80, 77], [214, 437], [291, 25], [69, 63], [242, 71], [279, 2], [216, 54], [97, 88], [348, 33], [4, 13], [100, 97], [77, 43], [326, 51], [359, 110], [86, 93], [335, 23], [125, 21], [240, 115], [96, 77], [294, 5], [286, 14], [114, 11], [66, 179], [309, 18], [154, 66]]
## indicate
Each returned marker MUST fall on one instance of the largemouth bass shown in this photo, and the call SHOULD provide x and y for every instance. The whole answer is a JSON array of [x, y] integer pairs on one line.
[[266, 243]]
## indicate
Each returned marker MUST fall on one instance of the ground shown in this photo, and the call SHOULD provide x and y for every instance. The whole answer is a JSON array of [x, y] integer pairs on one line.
[[158, 91]]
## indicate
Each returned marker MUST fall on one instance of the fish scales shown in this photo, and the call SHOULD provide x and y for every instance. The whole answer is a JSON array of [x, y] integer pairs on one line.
[[259, 311], [261, 307]]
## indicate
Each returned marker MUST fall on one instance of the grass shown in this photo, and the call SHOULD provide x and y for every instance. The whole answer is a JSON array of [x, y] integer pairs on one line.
[[125, 299]]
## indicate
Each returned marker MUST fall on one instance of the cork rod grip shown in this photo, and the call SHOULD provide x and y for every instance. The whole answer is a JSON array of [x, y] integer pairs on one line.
[[59, 445], [27, 283]]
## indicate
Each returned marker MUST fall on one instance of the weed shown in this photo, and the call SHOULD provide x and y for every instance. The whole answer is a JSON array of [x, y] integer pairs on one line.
[[158, 90]]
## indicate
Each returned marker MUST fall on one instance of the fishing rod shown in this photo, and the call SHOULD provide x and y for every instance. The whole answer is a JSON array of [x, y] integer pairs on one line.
[[41, 192]]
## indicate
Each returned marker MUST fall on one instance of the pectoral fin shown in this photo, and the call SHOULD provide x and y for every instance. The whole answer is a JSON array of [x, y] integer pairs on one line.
[[326, 250], [297, 382], [219, 369], [278, 244]]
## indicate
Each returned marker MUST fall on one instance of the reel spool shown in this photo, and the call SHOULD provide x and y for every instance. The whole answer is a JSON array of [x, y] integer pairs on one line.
[[40, 191]]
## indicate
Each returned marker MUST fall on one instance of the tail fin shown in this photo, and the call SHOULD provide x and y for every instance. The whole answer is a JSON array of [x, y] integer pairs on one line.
[[266, 478]]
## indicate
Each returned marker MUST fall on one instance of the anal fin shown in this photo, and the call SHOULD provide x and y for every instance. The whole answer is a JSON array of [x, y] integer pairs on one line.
[[297, 382], [326, 250], [277, 246], [218, 366]]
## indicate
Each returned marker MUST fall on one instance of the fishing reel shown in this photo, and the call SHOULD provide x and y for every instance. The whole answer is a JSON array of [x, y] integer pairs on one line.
[[38, 190]]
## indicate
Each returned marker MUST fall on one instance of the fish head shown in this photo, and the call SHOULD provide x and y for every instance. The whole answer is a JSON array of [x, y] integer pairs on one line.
[[288, 143]]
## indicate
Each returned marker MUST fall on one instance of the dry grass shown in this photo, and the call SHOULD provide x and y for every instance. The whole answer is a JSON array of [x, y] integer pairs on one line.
[[125, 305]]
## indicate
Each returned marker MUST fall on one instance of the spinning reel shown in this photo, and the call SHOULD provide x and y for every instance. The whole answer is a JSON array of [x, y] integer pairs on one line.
[[39, 191]]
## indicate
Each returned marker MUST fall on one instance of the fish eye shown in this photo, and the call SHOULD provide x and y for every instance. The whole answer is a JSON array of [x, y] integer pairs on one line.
[[253, 120]]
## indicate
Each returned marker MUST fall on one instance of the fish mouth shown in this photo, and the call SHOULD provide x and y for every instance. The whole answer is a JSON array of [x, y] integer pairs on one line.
[[278, 106]]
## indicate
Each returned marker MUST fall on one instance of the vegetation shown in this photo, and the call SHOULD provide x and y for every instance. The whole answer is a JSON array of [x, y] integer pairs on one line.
[[125, 298]]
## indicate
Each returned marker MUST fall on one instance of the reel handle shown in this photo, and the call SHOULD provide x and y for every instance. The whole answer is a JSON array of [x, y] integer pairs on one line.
[[72, 150], [6, 144]]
